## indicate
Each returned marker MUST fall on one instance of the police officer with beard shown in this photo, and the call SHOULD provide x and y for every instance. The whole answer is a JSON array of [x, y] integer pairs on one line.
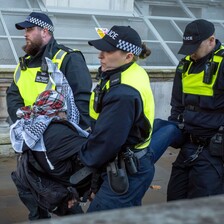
[[31, 74]]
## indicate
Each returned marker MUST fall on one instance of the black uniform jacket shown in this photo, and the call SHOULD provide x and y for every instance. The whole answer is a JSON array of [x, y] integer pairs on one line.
[[120, 123], [76, 72], [200, 123], [62, 143]]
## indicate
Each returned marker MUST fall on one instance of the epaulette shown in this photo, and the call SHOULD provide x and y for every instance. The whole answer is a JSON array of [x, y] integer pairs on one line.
[[115, 79], [66, 49], [183, 65], [70, 50]]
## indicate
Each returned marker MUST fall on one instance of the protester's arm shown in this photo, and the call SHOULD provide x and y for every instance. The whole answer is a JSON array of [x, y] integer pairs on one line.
[[62, 143], [75, 69], [14, 101]]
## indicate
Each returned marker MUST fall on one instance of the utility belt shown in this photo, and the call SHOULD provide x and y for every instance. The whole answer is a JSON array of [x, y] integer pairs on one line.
[[214, 144], [201, 143], [131, 159], [126, 163], [199, 109], [140, 153], [198, 140]]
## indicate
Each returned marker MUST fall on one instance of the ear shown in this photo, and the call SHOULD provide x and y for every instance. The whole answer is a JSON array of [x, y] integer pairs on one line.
[[212, 39], [129, 57], [45, 32]]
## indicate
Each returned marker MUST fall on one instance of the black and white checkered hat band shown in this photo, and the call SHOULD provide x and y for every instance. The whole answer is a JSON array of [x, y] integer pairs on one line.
[[126, 46], [40, 23]]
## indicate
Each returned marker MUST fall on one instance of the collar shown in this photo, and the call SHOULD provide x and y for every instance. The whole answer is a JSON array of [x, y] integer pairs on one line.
[[210, 55], [105, 75]]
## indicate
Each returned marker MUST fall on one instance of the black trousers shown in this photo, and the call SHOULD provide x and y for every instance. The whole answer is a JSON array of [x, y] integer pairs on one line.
[[201, 177]]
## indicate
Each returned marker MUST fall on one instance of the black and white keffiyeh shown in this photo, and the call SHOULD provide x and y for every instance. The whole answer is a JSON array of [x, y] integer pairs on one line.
[[63, 87], [35, 119], [59, 80]]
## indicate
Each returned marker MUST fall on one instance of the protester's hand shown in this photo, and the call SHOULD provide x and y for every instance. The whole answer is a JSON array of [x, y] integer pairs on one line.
[[71, 203], [73, 197], [92, 196]]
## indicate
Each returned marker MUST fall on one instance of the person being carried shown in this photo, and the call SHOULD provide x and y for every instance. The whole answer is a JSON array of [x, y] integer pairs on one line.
[[48, 144], [165, 133]]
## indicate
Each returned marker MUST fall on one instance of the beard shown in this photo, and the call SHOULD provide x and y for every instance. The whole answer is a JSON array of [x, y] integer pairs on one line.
[[33, 47]]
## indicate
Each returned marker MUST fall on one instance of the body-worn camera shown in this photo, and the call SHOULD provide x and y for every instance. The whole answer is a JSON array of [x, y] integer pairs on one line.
[[44, 67], [183, 66], [99, 93], [210, 69], [22, 63]]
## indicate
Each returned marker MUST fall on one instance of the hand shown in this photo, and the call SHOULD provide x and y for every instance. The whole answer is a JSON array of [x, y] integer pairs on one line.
[[71, 203], [92, 196]]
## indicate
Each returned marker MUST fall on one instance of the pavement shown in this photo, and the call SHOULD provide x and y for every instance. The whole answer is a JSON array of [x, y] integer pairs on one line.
[[13, 211]]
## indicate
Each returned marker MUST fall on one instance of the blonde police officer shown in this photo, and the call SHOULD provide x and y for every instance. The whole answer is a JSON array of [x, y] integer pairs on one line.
[[122, 107]]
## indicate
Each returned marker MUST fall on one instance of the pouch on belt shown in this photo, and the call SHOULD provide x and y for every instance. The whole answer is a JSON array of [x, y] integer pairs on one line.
[[216, 146], [117, 176]]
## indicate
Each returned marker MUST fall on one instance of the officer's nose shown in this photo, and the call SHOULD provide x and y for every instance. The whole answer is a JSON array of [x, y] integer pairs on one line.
[[25, 32], [100, 56]]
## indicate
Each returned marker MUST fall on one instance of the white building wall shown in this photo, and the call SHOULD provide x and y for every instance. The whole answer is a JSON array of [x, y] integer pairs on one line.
[[162, 96], [112, 5]]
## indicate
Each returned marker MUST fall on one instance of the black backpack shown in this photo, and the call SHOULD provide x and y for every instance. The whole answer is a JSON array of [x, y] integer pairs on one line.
[[49, 194]]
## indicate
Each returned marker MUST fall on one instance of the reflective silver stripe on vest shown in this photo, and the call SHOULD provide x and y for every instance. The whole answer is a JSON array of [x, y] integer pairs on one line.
[[58, 57], [60, 54], [49, 85], [17, 75]]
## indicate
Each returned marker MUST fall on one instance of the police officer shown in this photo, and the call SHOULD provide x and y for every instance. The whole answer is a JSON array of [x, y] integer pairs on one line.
[[122, 108], [198, 96], [31, 74]]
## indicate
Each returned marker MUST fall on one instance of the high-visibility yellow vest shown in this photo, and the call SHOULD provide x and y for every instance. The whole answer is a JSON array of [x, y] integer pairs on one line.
[[193, 82], [136, 77], [25, 80]]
